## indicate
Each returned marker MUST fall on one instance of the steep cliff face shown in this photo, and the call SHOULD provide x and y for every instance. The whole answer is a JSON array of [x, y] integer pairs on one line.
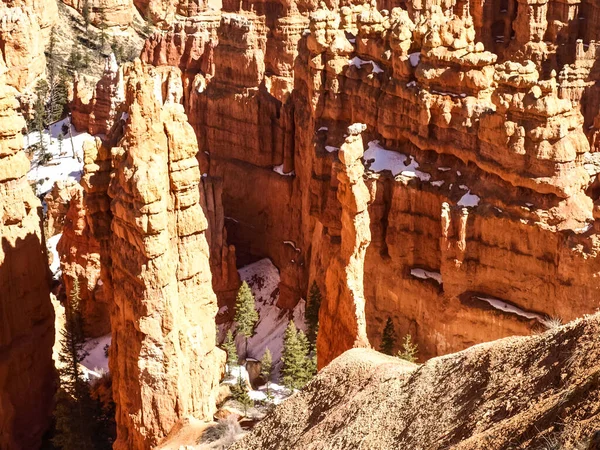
[[109, 13], [27, 333], [505, 394], [22, 59], [480, 176]]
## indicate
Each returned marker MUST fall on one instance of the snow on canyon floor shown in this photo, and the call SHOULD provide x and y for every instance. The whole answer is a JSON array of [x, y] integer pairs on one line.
[[65, 159]]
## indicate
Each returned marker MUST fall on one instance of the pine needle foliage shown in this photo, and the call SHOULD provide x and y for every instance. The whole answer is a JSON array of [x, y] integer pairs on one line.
[[78, 417], [298, 367], [409, 350], [229, 347], [266, 368], [311, 314], [246, 315], [388, 341]]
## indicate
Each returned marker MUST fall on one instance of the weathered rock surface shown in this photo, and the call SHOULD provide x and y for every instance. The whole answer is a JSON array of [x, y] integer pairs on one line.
[[22, 59], [164, 308], [480, 175], [143, 205], [27, 332], [521, 393], [109, 13]]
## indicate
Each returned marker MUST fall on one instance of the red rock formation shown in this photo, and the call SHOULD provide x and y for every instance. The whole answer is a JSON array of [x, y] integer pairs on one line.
[[163, 358], [22, 59], [225, 277], [109, 13], [27, 333], [57, 203], [98, 113], [79, 252], [491, 199], [163, 12], [344, 281]]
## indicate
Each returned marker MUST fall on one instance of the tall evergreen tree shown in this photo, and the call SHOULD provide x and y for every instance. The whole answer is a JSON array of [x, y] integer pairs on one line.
[[39, 118], [311, 315], [409, 350], [246, 315], [59, 97], [388, 341], [240, 393], [294, 371], [229, 347], [266, 368], [77, 414]]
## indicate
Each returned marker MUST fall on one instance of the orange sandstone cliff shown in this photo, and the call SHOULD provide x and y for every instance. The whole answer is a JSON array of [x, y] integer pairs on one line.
[[27, 373]]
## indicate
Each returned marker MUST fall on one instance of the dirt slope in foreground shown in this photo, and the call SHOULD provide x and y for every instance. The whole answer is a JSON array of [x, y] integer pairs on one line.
[[538, 392]]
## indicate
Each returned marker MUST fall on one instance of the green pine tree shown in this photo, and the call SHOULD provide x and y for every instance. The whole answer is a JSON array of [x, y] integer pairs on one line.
[[388, 341], [294, 371], [39, 118], [229, 347], [60, 143], [409, 350], [59, 97], [266, 368], [311, 314], [246, 315], [77, 415], [240, 393]]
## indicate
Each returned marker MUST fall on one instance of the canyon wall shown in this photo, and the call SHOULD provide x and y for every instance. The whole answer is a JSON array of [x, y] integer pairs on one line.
[[27, 376], [480, 175], [138, 235], [108, 13], [24, 31]]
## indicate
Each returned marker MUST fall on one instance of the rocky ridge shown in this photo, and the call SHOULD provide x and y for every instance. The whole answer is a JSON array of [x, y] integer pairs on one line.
[[534, 392]]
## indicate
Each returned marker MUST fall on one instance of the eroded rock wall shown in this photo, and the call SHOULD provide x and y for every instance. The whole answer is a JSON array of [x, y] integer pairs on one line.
[[27, 376]]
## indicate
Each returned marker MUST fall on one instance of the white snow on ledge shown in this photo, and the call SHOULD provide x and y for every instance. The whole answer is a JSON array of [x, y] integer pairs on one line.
[[331, 148], [426, 275], [397, 163], [505, 307], [279, 170], [51, 246], [357, 62], [469, 200]]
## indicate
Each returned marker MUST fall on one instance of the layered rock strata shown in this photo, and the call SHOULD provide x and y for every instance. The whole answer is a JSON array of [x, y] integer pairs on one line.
[[162, 316], [27, 376], [344, 281], [108, 13], [480, 176], [22, 59]]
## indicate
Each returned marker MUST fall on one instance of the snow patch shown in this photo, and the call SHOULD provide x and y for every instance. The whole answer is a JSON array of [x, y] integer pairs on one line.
[[95, 363], [357, 62], [438, 183], [323, 129], [263, 279], [444, 169], [279, 170], [69, 165], [414, 58], [51, 246], [292, 244], [469, 200], [426, 275], [398, 163], [411, 84], [506, 307], [331, 148]]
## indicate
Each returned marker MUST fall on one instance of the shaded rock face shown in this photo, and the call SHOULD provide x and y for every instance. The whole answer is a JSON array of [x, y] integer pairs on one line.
[[164, 11], [27, 376], [481, 183], [505, 394]]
